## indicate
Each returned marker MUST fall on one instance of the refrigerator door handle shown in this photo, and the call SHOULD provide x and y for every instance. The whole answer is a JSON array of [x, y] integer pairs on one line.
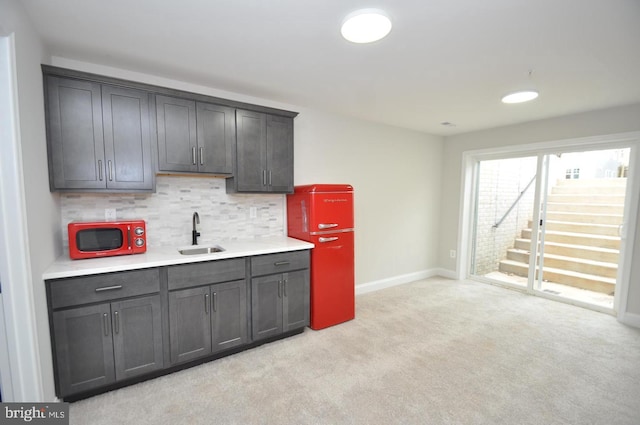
[[327, 225], [331, 239]]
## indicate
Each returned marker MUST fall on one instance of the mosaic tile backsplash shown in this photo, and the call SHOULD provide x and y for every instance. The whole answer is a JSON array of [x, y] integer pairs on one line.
[[168, 212]]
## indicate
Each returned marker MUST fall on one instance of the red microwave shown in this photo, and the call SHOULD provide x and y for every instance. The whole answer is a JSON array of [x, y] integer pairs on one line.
[[106, 238]]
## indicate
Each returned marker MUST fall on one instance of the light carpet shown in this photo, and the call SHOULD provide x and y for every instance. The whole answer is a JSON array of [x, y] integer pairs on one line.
[[436, 351]]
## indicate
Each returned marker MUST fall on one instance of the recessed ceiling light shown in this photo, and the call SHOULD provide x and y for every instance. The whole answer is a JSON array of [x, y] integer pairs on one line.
[[520, 96], [366, 26]]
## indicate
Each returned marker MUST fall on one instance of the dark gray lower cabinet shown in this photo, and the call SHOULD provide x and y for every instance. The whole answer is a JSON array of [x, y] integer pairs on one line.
[[206, 320], [99, 344], [280, 303]]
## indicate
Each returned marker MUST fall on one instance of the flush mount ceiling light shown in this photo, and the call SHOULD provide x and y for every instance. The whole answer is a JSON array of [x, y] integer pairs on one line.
[[366, 26], [520, 96]]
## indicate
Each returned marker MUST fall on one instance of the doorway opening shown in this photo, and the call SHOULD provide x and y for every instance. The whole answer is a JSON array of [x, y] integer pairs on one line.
[[552, 224]]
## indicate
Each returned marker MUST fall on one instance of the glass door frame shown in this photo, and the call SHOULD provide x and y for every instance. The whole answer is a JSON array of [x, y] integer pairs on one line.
[[471, 161]]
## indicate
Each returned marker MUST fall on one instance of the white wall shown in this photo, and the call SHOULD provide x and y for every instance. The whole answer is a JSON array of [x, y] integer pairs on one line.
[[603, 122], [396, 178], [42, 209]]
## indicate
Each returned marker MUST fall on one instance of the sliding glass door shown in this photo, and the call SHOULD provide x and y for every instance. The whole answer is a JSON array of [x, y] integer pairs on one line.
[[552, 223]]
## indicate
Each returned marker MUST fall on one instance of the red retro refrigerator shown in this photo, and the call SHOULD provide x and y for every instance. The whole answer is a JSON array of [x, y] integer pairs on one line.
[[323, 214]]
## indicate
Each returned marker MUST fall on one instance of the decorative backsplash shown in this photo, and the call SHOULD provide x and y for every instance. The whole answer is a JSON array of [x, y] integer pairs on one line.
[[169, 211]]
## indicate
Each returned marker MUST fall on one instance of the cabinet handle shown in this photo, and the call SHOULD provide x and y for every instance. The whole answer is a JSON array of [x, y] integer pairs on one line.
[[110, 164], [117, 322], [281, 263], [269, 177], [206, 303], [331, 239], [264, 177], [284, 285], [279, 289], [108, 288], [100, 169], [215, 302], [201, 156], [193, 155], [105, 324]]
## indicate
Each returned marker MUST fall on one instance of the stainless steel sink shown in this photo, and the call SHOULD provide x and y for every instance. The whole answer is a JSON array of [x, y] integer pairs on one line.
[[195, 250]]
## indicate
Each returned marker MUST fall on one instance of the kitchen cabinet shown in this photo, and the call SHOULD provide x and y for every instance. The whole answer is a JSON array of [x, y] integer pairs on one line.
[[99, 344], [98, 136], [207, 319], [194, 136], [279, 301], [264, 153]]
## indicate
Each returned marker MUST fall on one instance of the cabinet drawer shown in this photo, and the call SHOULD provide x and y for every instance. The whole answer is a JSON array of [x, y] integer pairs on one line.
[[188, 275], [279, 263], [103, 287]]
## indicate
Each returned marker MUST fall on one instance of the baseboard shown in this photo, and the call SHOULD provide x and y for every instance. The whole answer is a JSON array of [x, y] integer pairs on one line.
[[630, 319], [449, 274], [399, 280]]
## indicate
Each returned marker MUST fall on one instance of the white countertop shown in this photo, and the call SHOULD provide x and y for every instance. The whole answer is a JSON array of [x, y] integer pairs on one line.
[[157, 257]]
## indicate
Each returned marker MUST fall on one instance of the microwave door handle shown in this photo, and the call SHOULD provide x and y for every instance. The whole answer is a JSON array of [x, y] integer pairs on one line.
[[129, 237]]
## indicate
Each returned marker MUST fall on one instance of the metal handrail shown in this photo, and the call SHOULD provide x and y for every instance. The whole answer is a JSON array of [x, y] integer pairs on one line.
[[499, 222]]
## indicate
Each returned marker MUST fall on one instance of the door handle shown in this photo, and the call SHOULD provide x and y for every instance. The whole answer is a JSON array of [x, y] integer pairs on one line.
[[100, 169], [264, 177], [215, 302], [269, 177], [284, 285], [279, 289], [281, 263], [206, 303], [193, 155], [331, 239], [105, 324], [116, 321], [327, 225], [110, 164], [201, 156]]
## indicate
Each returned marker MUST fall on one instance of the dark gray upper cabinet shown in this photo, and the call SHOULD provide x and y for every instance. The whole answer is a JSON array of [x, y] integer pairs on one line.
[[98, 136], [264, 153], [194, 136]]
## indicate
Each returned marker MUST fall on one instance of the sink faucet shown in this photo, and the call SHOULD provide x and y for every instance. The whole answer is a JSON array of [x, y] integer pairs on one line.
[[195, 233]]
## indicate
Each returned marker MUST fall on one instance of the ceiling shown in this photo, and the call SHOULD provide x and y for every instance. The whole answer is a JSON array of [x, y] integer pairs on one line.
[[444, 60]]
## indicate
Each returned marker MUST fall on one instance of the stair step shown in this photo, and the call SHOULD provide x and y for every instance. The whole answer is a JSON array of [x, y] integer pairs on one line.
[[617, 181], [585, 208], [581, 217], [590, 190], [565, 277], [606, 255], [583, 239], [597, 268], [592, 198], [588, 228]]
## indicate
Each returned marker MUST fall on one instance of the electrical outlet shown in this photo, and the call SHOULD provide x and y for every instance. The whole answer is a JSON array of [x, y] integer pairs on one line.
[[110, 214], [452, 253], [253, 212]]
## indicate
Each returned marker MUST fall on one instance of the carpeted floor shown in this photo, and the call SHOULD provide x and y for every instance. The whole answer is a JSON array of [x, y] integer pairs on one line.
[[436, 351]]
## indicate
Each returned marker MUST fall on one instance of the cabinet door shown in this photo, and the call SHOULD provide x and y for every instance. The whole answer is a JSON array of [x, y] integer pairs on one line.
[[84, 348], [251, 155], [189, 324], [137, 336], [176, 120], [295, 300], [75, 139], [229, 318], [216, 138], [280, 154], [266, 306], [127, 141]]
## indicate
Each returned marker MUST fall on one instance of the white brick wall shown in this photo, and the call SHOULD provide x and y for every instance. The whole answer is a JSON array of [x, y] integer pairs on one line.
[[500, 183], [168, 212]]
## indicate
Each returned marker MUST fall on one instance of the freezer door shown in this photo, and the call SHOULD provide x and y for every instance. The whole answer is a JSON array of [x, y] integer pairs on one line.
[[330, 211], [332, 280]]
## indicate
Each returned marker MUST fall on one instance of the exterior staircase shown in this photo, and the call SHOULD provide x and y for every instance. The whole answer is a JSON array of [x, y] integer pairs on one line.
[[582, 242]]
